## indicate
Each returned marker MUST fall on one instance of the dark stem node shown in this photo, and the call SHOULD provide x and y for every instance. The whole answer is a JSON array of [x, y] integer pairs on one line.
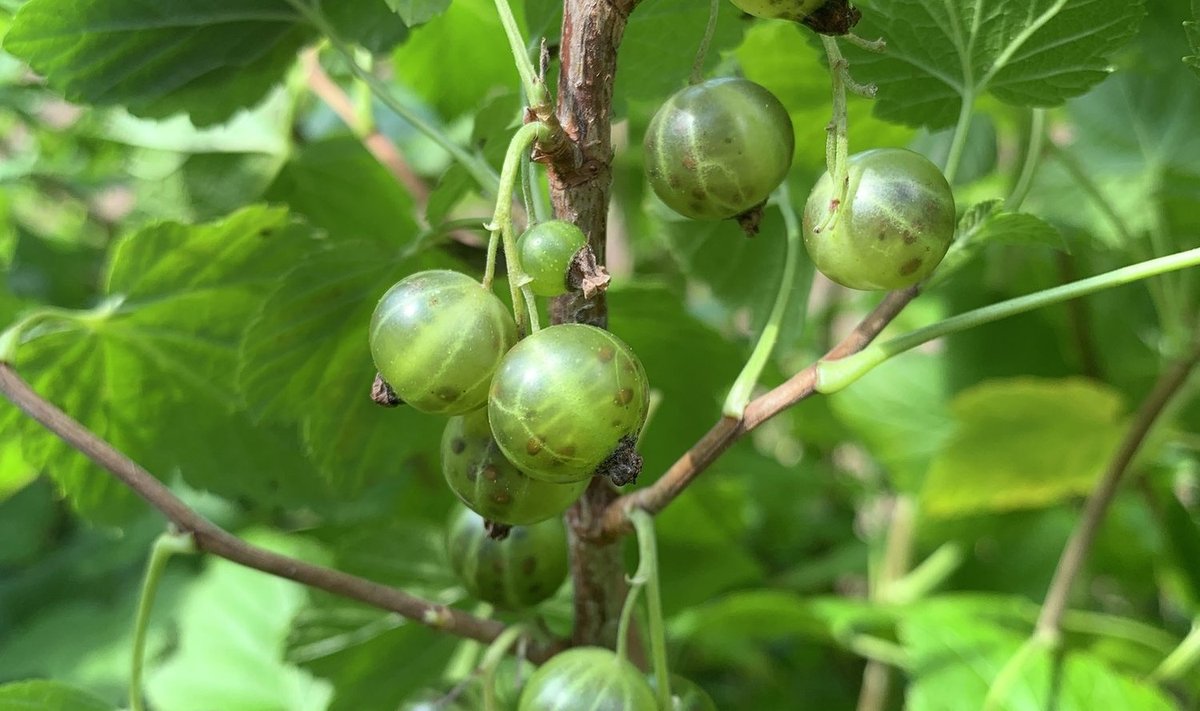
[[623, 465], [835, 17], [382, 393]]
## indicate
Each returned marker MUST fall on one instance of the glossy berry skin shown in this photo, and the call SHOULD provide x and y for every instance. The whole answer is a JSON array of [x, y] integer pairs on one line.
[[794, 10], [686, 695], [519, 571], [717, 149], [546, 251], [587, 679], [490, 485], [564, 398], [437, 337], [895, 228]]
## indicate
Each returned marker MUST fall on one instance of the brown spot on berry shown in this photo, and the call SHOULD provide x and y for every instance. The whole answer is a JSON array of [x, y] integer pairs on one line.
[[533, 446], [502, 497], [529, 565], [457, 445], [490, 472], [910, 266], [568, 451], [624, 396], [606, 353]]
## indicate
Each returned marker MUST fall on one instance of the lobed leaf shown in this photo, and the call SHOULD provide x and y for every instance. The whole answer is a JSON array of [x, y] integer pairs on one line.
[[941, 55], [652, 69], [305, 357], [232, 626], [1023, 443], [208, 59], [957, 654], [416, 12], [45, 695], [151, 370]]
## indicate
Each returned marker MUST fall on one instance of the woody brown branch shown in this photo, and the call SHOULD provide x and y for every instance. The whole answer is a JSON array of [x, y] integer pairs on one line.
[[213, 539]]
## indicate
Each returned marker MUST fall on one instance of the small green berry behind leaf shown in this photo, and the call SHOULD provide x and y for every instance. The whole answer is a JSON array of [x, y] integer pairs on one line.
[[546, 251], [437, 337], [483, 478], [896, 225], [520, 570], [716, 150], [567, 399], [589, 678]]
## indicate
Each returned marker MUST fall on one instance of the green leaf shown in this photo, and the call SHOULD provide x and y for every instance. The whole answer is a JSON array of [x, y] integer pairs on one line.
[[1134, 140], [232, 626], [370, 23], [939, 55], [781, 57], [340, 187], [160, 58], [985, 224], [652, 69], [264, 129], [44, 695], [957, 654], [743, 272], [457, 58], [760, 616], [900, 411], [690, 384], [151, 370], [305, 357], [416, 12], [705, 525], [1023, 443]]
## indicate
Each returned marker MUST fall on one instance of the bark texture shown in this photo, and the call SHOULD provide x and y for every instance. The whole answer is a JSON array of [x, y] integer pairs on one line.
[[580, 183]]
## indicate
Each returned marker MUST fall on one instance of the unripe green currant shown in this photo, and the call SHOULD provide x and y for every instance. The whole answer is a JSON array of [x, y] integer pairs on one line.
[[565, 399], [590, 678], [717, 149], [437, 337], [520, 570], [483, 478], [895, 227], [546, 251], [795, 10]]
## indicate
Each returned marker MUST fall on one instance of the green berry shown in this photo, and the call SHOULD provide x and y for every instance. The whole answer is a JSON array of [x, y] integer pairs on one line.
[[565, 399], [589, 678], [546, 251], [717, 149], [896, 225], [437, 337], [483, 478], [518, 571]]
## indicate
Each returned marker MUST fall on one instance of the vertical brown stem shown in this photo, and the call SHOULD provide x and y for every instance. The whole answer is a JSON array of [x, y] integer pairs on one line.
[[580, 187]]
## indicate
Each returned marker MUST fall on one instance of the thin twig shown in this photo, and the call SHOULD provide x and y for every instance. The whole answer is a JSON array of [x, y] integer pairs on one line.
[[213, 539], [728, 430], [1069, 565], [897, 557]]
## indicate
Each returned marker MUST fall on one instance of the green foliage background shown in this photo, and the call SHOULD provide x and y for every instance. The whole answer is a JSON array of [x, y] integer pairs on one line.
[[195, 243]]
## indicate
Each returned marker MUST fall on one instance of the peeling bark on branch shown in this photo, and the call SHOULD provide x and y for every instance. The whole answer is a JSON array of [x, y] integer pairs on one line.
[[580, 186]]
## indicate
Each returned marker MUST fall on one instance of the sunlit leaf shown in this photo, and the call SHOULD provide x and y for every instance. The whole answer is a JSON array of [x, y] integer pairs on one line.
[[940, 55], [207, 60], [1022, 443], [45, 695]]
